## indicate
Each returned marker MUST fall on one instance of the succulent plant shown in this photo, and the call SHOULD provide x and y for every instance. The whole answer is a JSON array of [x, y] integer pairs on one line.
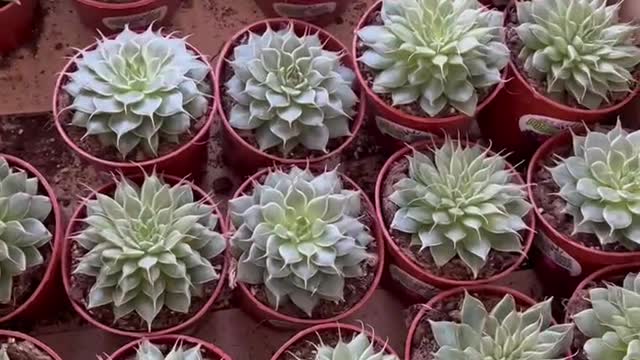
[[599, 183], [578, 49], [505, 333], [461, 200], [290, 91], [3, 352], [148, 247], [149, 351], [359, 348], [300, 236], [134, 89], [612, 324], [22, 229], [438, 53]]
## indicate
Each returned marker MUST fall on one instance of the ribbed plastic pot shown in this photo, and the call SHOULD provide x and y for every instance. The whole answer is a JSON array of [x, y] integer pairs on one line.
[[17, 24], [80, 213], [244, 157], [4, 334], [319, 12], [49, 291], [345, 330], [263, 312], [211, 351]]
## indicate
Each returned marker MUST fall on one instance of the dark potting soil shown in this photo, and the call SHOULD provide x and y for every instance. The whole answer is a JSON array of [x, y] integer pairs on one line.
[[305, 348], [18, 349], [455, 269], [166, 349], [414, 108]]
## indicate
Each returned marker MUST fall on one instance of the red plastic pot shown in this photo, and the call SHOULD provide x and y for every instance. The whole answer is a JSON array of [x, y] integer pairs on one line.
[[17, 24], [4, 334], [80, 214], [243, 156], [263, 312], [409, 265], [45, 295], [345, 331], [188, 160], [129, 351], [319, 12]]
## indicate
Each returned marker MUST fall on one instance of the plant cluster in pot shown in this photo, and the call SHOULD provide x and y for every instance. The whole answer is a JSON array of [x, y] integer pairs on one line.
[[144, 256], [336, 341], [169, 347], [306, 246], [318, 12], [486, 322], [572, 62], [17, 18], [286, 95], [135, 102], [15, 345], [453, 214], [428, 66]]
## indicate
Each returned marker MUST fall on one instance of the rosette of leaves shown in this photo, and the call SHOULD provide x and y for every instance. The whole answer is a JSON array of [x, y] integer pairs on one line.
[[149, 351], [599, 183], [138, 88], [438, 53], [299, 235], [359, 348], [149, 247], [578, 49], [611, 323], [22, 229], [502, 334], [461, 200], [290, 91]]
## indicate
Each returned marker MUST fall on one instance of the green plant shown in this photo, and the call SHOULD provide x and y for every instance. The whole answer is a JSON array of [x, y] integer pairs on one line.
[[148, 247], [612, 324], [359, 348], [300, 236], [149, 351], [3, 352], [438, 53], [290, 91], [22, 228], [460, 200], [136, 88], [577, 48], [502, 334]]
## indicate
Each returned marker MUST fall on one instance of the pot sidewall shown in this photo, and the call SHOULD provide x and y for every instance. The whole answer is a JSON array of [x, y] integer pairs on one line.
[[110, 18], [17, 24], [317, 12]]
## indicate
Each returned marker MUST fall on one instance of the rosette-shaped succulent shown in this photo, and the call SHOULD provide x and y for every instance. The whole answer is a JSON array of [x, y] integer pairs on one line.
[[359, 348], [601, 185], [612, 323], [148, 247], [438, 53], [300, 236], [502, 334], [578, 49], [22, 231], [460, 200], [149, 351], [290, 91], [137, 88]]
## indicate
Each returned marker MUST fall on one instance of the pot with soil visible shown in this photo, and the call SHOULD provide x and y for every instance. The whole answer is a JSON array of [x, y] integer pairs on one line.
[[123, 113], [18, 346], [543, 95], [30, 242], [307, 246], [145, 256], [286, 95], [427, 71], [319, 12], [17, 18], [453, 213], [174, 347], [327, 340]]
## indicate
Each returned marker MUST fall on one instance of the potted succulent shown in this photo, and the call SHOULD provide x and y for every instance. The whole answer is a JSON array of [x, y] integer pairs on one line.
[[15, 345], [306, 246], [111, 16], [286, 95], [429, 66], [320, 12], [169, 347], [137, 102], [16, 17], [486, 322], [30, 241], [145, 256], [453, 213], [335, 341], [572, 62]]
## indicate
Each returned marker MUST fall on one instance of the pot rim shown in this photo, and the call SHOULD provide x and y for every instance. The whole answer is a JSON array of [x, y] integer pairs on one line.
[[24, 337], [103, 5], [168, 338]]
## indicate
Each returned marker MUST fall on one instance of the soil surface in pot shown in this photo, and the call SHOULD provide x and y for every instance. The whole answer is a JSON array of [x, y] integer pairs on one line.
[[19, 349], [455, 269], [166, 349], [305, 348]]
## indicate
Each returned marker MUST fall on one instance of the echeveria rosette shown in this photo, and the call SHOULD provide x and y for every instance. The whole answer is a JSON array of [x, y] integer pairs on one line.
[[22, 230], [149, 351], [290, 91], [600, 183], [437, 53], [578, 49], [612, 324], [359, 348], [149, 247], [461, 200], [300, 235], [138, 88]]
